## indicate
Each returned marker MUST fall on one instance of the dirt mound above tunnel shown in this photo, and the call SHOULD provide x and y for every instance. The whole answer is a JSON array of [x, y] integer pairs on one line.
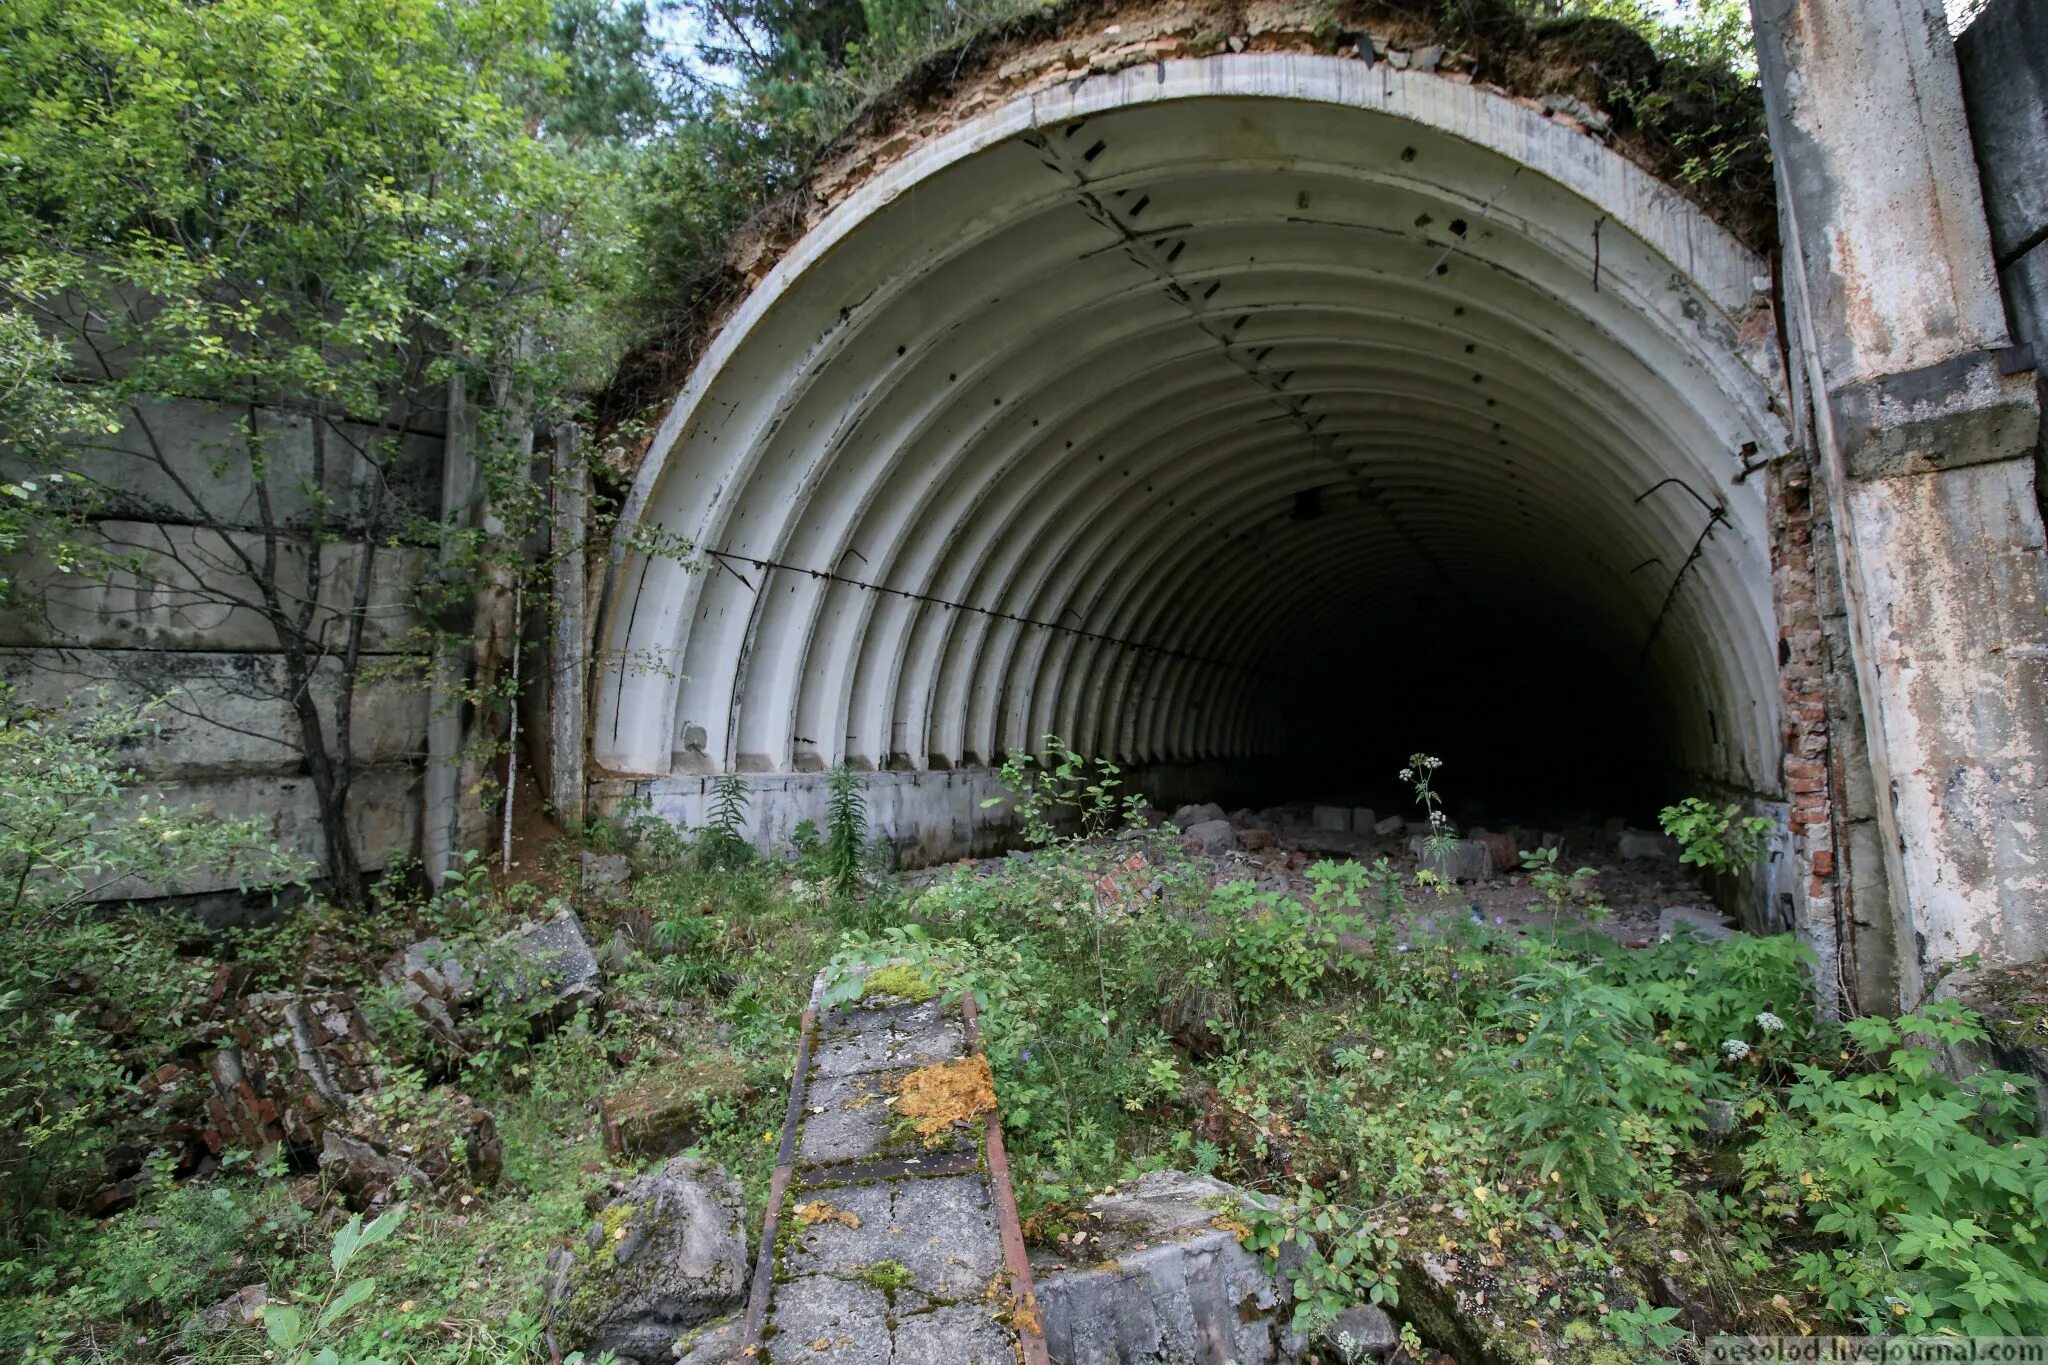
[[1698, 129]]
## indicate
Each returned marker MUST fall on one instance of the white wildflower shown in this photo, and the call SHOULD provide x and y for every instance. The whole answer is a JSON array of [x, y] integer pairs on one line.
[[1407, 774], [1770, 1023], [1735, 1049]]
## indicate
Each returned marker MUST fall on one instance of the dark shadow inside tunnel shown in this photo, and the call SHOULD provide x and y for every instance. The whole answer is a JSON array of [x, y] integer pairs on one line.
[[1540, 717]]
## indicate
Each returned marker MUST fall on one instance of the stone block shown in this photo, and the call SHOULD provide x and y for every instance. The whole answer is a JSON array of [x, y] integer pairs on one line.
[[1391, 825], [1168, 1285], [1188, 816], [1331, 819], [1466, 860], [1213, 836], [1363, 818], [1636, 843]]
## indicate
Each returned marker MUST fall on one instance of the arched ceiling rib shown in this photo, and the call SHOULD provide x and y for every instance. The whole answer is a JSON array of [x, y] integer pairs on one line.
[[1075, 362]]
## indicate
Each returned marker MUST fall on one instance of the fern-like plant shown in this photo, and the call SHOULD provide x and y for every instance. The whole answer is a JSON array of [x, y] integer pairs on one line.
[[724, 843], [846, 829]]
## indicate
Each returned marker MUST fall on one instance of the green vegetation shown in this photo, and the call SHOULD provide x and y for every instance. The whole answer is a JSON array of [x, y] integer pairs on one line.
[[1715, 838]]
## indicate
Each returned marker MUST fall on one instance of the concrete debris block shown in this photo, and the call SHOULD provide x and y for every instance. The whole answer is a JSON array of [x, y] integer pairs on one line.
[[554, 965], [1391, 825], [438, 1146], [667, 1255], [1636, 843], [1362, 1332], [1506, 856], [1707, 924], [1213, 836], [664, 1115], [1245, 818], [1428, 58], [1167, 1283], [1575, 108], [1363, 818], [548, 965], [1398, 59], [603, 874], [1465, 860], [1331, 819], [1189, 816]]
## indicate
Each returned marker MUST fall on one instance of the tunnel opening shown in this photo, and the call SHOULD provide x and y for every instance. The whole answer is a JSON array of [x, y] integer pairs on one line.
[[1254, 422], [1540, 715]]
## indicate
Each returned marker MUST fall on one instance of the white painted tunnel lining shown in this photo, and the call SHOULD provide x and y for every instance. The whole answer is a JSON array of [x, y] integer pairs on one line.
[[866, 656]]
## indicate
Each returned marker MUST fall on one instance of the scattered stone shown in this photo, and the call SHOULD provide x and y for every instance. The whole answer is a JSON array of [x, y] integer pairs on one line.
[[1391, 825], [663, 1115], [291, 1064], [441, 1145], [1213, 836], [1362, 1332], [243, 1308], [1428, 58], [1331, 819], [1636, 843], [1257, 840], [1398, 59], [1169, 1282], [1189, 816], [604, 874], [668, 1254]]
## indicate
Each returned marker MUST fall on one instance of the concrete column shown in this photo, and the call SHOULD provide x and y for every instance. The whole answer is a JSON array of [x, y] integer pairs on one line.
[[442, 782], [1925, 439], [568, 651]]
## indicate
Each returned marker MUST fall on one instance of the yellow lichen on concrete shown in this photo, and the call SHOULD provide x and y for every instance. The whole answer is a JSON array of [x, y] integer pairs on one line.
[[821, 1211], [935, 1098]]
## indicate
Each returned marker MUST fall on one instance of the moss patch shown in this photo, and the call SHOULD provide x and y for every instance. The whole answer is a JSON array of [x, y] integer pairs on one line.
[[902, 980], [935, 1098]]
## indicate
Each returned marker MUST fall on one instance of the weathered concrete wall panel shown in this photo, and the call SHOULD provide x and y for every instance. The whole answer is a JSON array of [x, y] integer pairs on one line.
[[186, 587], [385, 817], [221, 714]]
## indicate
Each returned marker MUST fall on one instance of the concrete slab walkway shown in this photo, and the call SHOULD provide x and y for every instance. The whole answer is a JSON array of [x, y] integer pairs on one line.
[[891, 1236]]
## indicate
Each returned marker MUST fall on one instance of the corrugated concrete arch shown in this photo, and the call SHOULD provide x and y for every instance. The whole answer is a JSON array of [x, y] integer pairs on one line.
[[1081, 416]]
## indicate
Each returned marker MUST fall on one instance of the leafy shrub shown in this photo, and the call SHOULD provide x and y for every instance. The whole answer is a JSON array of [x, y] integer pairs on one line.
[[1065, 787], [1715, 838], [1933, 1192]]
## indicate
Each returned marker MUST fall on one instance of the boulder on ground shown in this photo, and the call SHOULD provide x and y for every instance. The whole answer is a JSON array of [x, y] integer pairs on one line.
[[1391, 825], [667, 1255], [1362, 819], [1161, 1279], [1188, 816], [1213, 836]]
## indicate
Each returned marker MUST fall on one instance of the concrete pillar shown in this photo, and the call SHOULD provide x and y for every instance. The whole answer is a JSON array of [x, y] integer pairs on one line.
[[568, 652], [1925, 439], [442, 782]]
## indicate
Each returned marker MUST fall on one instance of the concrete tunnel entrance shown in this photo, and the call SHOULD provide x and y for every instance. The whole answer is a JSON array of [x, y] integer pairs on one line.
[[1255, 420]]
